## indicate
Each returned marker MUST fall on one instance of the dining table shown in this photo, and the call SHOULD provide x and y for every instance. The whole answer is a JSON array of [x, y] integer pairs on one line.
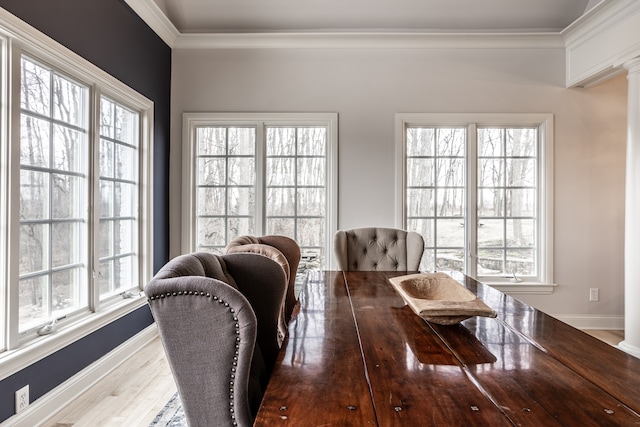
[[357, 355]]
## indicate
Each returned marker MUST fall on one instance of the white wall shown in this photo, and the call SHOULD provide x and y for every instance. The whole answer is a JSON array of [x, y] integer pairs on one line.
[[367, 87]]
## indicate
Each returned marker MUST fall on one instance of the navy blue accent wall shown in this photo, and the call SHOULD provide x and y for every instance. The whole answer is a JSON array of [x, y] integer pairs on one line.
[[111, 36]]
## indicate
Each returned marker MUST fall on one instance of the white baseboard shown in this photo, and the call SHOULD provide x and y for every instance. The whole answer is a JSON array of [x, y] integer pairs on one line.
[[592, 322], [51, 403]]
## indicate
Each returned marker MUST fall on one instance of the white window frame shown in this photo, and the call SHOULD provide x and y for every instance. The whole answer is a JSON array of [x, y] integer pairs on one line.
[[18, 352], [543, 283], [260, 121]]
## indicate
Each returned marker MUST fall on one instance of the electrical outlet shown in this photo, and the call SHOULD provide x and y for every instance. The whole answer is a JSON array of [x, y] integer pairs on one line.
[[594, 294], [22, 399]]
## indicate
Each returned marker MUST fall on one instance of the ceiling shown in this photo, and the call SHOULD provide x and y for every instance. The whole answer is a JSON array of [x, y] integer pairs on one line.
[[406, 16]]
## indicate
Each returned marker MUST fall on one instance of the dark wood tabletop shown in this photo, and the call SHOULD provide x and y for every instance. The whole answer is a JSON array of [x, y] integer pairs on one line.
[[356, 355]]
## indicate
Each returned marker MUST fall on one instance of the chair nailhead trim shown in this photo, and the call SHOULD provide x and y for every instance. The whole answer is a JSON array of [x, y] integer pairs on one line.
[[234, 363]]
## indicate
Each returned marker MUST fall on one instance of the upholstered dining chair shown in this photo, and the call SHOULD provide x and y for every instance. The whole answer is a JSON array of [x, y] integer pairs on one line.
[[378, 248], [285, 251], [217, 316]]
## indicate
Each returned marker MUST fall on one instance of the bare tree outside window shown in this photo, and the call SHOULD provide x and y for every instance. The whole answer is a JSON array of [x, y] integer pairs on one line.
[[506, 196], [119, 157], [53, 188], [293, 190]]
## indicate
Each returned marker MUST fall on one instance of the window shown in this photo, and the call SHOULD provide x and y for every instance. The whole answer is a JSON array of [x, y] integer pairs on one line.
[[478, 189], [75, 195], [257, 175]]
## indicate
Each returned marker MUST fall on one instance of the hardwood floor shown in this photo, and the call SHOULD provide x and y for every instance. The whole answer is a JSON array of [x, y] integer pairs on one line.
[[136, 391], [131, 395]]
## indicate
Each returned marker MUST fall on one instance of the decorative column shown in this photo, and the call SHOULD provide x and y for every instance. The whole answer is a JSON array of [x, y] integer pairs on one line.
[[631, 343]]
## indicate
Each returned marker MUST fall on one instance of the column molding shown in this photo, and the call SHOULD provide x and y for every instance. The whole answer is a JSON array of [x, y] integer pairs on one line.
[[631, 343]]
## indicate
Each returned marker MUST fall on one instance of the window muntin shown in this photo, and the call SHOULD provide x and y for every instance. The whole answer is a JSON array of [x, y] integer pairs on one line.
[[53, 195], [506, 195]]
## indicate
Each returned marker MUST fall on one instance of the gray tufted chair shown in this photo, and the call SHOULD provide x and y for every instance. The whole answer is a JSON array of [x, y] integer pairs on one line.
[[217, 316], [286, 252], [376, 248]]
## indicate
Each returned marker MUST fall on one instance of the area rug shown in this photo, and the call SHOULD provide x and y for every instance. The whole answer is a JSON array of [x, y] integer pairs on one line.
[[171, 415]]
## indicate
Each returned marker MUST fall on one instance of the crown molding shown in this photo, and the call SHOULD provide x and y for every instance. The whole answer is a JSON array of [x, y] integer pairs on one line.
[[155, 18], [149, 11], [370, 40]]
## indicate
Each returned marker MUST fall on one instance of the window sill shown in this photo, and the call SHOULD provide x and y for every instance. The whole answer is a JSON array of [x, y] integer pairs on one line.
[[523, 288], [12, 361]]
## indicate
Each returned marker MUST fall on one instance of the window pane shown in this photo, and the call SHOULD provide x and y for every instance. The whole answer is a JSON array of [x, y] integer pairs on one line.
[[34, 195], [490, 202], [490, 143], [521, 262], [126, 161], [241, 141], [284, 226], [33, 302], [211, 201], [241, 171], [420, 172], [420, 142], [311, 201], [424, 227], [451, 142], [107, 159], [68, 150], [420, 202], [68, 101], [211, 141], [521, 233], [521, 202], [67, 196], [450, 259], [450, 233], [67, 236], [490, 173], [123, 236], [490, 233], [212, 171], [490, 261], [281, 201], [521, 173], [106, 241], [522, 142], [124, 203], [68, 292], [35, 88], [211, 232], [241, 200], [34, 142], [311, 232], [238, 226], [281, 141], [34, 248], [312, 141], [281, 171], [311, 171]]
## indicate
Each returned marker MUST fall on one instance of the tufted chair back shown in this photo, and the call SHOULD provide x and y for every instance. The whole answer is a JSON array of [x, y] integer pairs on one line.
[[285, 251], [217, 316], [375, 248]]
